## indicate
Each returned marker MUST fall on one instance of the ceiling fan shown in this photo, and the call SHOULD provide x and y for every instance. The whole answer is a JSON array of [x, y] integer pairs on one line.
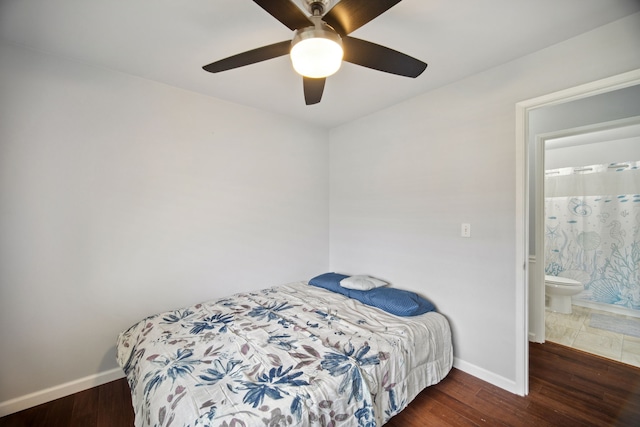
[[321, 42]]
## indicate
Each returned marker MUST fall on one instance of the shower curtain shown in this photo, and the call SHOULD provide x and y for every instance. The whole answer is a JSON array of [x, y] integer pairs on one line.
[[592, 230]]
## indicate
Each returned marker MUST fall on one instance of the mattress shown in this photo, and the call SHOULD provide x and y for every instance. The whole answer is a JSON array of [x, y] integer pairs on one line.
[[287, 355]]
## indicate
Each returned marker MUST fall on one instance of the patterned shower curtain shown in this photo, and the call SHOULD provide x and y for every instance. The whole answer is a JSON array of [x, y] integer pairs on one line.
[[592, 230]]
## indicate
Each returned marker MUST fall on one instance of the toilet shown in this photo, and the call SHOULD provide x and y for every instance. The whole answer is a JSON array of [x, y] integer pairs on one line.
[[559, 290]]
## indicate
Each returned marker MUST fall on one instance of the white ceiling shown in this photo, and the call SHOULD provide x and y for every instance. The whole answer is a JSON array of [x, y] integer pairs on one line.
[[169, 41]]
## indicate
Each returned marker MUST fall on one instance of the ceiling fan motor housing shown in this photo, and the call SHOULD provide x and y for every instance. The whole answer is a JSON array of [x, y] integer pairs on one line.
[[319, 29]]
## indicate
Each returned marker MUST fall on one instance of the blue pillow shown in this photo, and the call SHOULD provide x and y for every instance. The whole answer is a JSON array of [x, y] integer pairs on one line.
[[330, 281], [394, 301]]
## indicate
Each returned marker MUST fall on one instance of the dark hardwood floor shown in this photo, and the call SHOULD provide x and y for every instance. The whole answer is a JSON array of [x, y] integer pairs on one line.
[[567, 388]]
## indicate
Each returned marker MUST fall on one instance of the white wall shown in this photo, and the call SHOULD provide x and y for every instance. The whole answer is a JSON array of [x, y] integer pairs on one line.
[[404, 179], [121, 197]]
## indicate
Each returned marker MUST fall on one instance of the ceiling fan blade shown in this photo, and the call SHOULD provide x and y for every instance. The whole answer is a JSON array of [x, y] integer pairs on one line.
[[349, 15], [313, 89], [286, 12], [250, 57], [371, 55]]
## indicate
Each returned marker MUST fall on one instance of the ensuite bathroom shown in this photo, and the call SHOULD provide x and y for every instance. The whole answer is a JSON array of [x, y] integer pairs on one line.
[[585, 232]]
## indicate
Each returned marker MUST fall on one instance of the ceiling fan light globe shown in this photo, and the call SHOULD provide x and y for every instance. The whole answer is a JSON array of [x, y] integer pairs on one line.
[[316, 53]]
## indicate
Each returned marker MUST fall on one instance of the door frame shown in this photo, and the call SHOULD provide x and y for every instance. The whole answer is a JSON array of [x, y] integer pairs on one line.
[[525, 314]]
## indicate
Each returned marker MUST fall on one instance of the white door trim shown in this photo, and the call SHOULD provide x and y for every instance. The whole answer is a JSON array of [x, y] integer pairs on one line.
[[522, 204]]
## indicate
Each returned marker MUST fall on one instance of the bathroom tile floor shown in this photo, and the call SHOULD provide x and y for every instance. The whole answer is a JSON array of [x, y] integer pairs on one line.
[[574, 330]]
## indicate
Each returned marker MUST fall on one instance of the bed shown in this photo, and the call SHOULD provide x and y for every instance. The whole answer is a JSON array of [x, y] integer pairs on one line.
[[288, 355]]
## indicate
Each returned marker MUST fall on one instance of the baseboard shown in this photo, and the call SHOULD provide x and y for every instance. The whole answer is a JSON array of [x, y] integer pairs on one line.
[[485, 375], [56, 392]]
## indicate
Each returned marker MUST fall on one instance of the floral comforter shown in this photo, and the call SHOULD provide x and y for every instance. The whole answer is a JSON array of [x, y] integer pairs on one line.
[[288, 355]]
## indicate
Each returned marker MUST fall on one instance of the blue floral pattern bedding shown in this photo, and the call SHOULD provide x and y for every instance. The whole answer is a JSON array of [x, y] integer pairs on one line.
[[288, 355]]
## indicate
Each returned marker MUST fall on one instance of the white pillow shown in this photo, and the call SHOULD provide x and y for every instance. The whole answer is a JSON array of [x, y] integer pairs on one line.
[[362, 283]]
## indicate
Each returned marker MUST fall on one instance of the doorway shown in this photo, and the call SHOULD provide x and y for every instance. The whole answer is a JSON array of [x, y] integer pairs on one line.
[[530, 292]]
